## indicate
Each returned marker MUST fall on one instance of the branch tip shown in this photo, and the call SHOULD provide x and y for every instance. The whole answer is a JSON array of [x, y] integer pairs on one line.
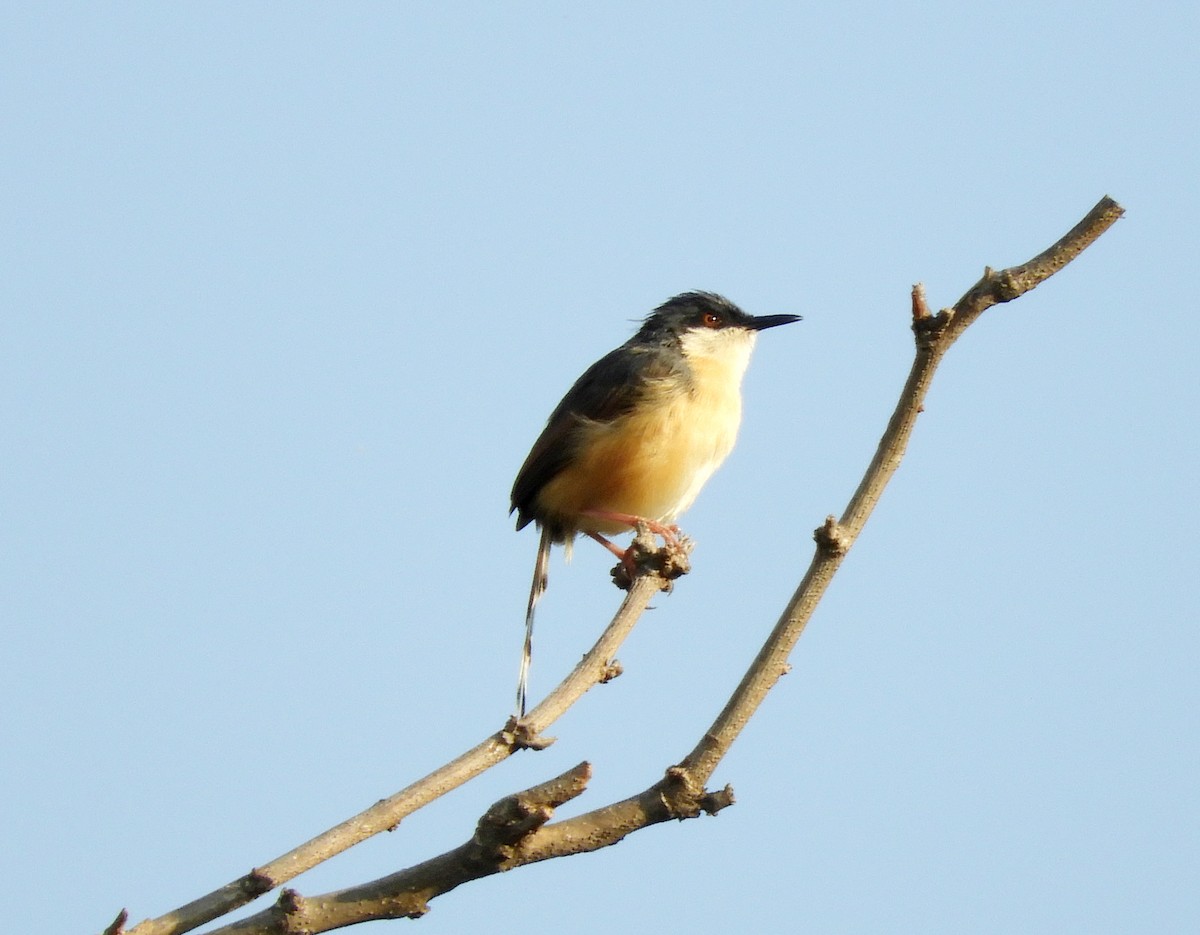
[[117, 927], [563, 787], [920, 310], [713, 802]]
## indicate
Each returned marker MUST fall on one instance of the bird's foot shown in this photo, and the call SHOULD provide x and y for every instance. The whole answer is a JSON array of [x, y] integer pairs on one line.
[[644, 556]]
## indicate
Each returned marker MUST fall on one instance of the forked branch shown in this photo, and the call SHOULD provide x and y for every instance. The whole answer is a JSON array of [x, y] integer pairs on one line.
[[517, 831], [657, 569]]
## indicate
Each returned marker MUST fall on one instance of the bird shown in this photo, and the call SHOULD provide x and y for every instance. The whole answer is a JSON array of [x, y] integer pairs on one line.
[[637, 435]]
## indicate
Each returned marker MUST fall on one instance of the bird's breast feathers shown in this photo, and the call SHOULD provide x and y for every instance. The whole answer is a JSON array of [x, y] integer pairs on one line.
[[653, 460]]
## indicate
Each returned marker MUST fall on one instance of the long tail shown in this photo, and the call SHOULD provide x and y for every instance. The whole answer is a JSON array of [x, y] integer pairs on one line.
[[541, 578]]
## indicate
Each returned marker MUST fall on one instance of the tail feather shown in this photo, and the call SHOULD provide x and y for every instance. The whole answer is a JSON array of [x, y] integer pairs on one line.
[[541, 578]]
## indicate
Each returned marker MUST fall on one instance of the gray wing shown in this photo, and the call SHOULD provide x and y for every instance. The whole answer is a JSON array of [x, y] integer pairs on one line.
[[608, 389]]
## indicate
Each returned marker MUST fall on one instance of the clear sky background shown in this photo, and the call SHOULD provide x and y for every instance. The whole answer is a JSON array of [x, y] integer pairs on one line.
[[287, 292]]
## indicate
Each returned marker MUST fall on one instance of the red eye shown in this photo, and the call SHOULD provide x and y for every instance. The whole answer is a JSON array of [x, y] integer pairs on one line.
[[712, 320]]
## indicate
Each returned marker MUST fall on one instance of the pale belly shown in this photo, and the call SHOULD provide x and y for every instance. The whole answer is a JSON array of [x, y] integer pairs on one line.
[[651, 465]]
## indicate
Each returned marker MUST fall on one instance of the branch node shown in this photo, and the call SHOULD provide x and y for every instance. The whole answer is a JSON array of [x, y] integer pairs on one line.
[[255, 883], [611, 671], [831, 538], [683, 795], [678, 775], [680, 793], [420, 908], [666, 562], [290, 901], [502, 828], [928, 329], [506, 822], [290, 912], [517, 736], [1008, 286]]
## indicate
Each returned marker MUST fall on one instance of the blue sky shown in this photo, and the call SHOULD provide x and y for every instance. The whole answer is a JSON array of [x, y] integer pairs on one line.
[[289, 290]]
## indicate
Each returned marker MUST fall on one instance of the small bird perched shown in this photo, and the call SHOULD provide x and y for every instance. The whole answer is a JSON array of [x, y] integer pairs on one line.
[[638, 434]]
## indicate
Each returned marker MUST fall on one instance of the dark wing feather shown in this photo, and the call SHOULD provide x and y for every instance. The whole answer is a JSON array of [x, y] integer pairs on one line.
[[608, 389]]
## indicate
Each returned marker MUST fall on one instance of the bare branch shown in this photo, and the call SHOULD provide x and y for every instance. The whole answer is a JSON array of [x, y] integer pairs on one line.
[[934, 336], [517, 830], [656, 569], [496, 846], [512, 833]]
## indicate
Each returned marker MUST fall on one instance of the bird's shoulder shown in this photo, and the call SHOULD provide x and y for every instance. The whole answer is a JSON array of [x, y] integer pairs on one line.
[[608, 389], [612, 385]]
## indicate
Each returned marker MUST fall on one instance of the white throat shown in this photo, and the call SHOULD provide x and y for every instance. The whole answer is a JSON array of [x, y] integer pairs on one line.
[[726, 351]]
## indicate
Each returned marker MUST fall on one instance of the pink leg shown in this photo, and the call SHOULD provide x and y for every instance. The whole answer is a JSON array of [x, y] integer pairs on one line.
[[611, 546], [625, 555], [669, 533]]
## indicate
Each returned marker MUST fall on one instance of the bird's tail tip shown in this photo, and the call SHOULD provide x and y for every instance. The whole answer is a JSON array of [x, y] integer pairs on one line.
[[541, 579]]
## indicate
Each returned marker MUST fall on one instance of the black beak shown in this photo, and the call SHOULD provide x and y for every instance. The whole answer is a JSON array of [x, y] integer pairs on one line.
[[763, 322]]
